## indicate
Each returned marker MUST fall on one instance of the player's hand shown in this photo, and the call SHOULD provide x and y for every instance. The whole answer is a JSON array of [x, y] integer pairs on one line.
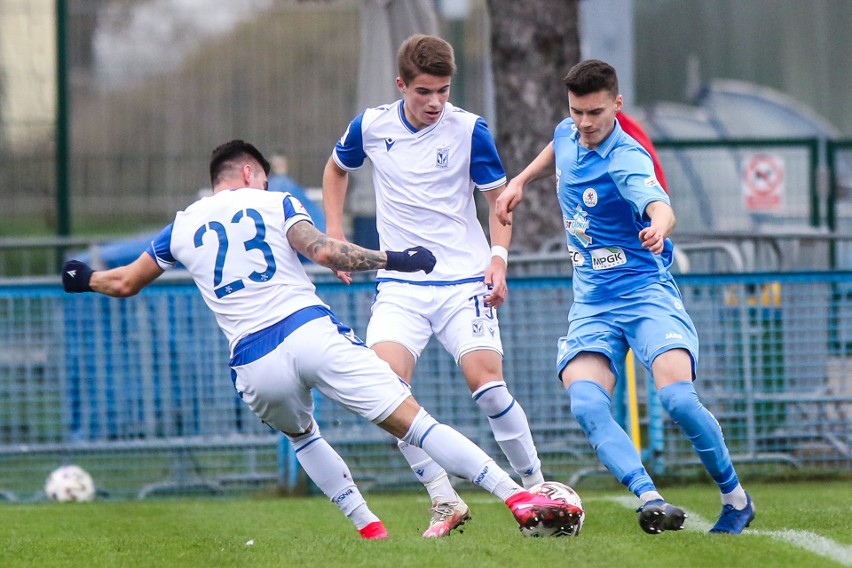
[[411, 260], [652, 239], [495, 279], [76, 276], [508, 200], [343, 276]]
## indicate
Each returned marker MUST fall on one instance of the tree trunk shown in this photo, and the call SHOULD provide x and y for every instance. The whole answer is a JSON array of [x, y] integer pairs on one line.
[[533, 44]]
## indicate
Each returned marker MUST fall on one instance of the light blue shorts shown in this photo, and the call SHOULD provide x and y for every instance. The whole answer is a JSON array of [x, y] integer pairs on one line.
[[651, 321]]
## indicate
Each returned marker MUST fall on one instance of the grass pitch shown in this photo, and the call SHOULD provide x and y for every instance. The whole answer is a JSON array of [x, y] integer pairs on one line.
[[798, 524]]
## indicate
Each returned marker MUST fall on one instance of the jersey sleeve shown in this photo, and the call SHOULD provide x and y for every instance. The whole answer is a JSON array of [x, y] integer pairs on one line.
[[633, 173], [294, 212], [486, 168], [160, 248], [349, 151]]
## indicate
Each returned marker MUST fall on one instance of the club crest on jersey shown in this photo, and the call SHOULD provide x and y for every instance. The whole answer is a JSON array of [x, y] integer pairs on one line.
[[590, 197], [443, 159], [578, 225]]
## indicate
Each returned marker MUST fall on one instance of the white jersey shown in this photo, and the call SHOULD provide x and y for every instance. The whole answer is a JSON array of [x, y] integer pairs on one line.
[[234, 244], [424, 181]]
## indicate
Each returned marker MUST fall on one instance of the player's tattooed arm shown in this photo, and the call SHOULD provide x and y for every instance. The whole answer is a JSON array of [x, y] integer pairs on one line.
[[332, 253]]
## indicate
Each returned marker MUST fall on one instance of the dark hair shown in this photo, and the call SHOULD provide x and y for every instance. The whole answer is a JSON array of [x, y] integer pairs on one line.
[[591, 76], [425, 54], [224, 157]]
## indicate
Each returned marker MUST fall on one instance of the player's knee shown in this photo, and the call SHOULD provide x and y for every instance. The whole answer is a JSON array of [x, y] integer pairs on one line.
[[679, 399], [589, 402], [421, 425], [305, 439], [493, 398]]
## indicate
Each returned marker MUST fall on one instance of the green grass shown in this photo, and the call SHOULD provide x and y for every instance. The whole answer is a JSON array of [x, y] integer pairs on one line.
[[309, 531]]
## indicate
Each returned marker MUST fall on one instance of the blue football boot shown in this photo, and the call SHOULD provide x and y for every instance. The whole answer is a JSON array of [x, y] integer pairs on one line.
[[733, 521]]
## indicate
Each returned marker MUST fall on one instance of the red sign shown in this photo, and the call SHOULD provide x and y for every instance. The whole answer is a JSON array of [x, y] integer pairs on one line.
[[763, 182]]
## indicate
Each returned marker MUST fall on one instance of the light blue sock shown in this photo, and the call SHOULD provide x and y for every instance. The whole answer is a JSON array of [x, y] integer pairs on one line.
[[681, 402], [592, 406]]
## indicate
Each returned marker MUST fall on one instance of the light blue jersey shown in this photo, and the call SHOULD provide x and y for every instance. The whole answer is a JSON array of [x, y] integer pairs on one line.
[[603, 194], [624, 295]]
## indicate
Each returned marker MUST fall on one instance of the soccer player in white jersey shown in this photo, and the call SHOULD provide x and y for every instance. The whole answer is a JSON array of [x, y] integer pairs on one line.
[[617, 218], [428, 158], [241, 247]]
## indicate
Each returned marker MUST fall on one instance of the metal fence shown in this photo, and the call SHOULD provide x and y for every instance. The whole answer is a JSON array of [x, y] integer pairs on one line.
[[153, 86], [138, 392]]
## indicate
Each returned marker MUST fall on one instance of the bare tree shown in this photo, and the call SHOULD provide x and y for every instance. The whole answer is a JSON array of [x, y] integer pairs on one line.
[[533, 45]]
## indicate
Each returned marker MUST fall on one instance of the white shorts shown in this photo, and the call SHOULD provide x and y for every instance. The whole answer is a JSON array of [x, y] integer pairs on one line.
[[321, 355], [410, 314]]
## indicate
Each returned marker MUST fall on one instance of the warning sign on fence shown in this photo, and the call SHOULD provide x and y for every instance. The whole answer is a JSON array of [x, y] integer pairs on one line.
[[763, 182]]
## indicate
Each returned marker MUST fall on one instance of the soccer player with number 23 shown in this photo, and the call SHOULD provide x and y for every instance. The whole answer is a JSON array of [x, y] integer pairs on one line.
[[241, 246]]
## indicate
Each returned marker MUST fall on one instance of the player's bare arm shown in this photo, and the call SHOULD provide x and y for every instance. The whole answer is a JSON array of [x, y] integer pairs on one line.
[[126, 280], [501, 236], [333, 253], [335, 182], [662, 223], [541, 167]]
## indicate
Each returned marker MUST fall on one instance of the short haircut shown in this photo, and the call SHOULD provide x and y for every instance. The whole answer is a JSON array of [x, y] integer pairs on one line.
[[226, 156], [591, 76], [425, 54]]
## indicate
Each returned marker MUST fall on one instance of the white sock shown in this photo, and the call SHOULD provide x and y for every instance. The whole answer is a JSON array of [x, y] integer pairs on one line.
[[429, 473], [650, 496], [441, 490], [331, 474], [511, 430], [737, 498], [362, 516], [458, 455]]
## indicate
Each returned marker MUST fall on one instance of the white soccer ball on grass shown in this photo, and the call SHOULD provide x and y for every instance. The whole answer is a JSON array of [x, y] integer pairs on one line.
[[70, 483], [558, 492]]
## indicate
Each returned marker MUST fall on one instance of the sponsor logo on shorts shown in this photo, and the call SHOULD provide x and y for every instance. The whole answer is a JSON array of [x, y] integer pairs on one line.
[[608, 257]]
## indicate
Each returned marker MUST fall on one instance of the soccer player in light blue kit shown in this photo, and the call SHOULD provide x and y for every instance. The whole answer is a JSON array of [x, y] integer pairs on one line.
[[240, 245], [617, 218], [429, 158]]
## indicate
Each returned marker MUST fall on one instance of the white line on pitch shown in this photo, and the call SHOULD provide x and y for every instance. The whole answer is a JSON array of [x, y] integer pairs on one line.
[[807, 540]]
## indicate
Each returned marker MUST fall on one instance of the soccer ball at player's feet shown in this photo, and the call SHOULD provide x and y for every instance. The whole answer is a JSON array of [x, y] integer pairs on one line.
[[558, 492], [70, 483]]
